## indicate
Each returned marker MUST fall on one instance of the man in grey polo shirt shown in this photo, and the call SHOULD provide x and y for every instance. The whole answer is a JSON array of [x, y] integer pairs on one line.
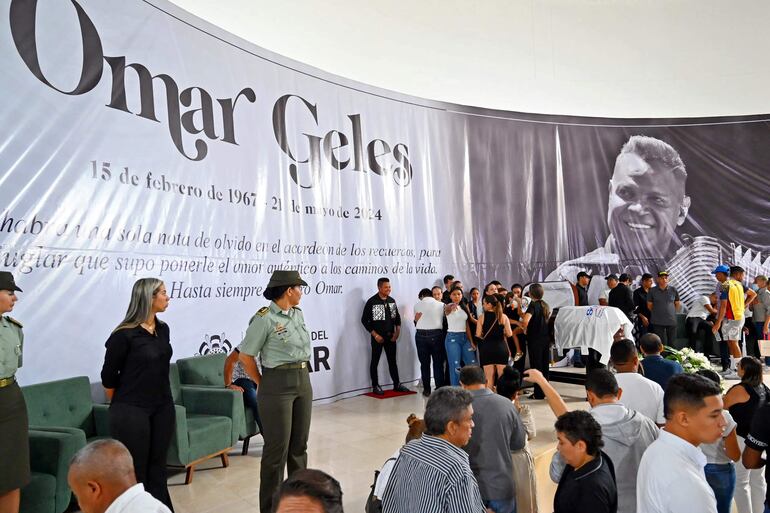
[[497, 431], [663, 302]]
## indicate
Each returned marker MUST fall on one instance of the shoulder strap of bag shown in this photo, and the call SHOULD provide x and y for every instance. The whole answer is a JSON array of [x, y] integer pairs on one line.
[[483, 337]]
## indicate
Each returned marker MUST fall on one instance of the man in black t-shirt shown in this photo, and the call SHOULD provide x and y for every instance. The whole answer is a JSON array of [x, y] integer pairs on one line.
[[449, 282], [756, 443], [621, 296], [383, 322], [643, 313]]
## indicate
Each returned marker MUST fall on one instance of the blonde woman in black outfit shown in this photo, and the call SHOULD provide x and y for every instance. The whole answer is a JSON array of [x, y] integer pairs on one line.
[[135, 378]]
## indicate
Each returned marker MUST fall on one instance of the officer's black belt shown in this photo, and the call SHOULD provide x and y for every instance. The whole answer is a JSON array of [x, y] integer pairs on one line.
[[295, 365]]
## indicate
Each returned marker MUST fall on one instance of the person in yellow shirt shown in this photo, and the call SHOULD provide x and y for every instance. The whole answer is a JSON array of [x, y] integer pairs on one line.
[[730, 318]]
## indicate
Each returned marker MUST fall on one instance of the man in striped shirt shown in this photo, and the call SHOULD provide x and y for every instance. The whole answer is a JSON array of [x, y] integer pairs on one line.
[[432, 474]]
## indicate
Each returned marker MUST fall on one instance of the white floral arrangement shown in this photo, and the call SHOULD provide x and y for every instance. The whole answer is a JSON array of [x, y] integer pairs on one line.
[[690, 360]]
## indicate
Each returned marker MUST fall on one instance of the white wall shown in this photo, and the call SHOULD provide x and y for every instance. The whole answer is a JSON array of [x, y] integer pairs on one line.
[[621, 58]]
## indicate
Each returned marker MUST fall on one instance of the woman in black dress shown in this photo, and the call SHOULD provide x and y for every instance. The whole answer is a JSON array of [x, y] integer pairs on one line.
[[535, 326], [492, 330], [135, 376]]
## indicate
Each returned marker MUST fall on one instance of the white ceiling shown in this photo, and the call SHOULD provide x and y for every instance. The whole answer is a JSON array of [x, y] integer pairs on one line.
[[623, 58]]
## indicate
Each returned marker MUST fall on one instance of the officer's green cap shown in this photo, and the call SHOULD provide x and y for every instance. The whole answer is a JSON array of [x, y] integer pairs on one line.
[[284, 279], [7, 282]]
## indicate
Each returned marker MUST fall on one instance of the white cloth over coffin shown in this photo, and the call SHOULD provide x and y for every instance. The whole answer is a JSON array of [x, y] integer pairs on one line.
[[590, 327]]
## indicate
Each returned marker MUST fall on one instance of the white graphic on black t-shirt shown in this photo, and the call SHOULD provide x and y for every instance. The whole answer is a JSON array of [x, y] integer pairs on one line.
[[378, 312]]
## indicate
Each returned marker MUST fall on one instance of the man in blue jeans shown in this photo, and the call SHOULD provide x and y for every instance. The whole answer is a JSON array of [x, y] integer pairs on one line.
[[237, 379]]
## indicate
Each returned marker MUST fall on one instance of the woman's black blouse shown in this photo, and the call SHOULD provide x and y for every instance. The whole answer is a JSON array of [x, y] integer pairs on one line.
[[136, 365]]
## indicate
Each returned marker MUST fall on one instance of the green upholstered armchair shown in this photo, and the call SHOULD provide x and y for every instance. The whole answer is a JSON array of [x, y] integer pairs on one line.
[[62, 417], [204, 417], [66, 405], [208, 424], [208, 371], [50, 454]]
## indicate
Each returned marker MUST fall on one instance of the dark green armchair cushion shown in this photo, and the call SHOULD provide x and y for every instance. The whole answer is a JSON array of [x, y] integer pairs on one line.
[[216, 402], [65, 403], [39, 496], [50, 453], [202, 370], [208, 434]]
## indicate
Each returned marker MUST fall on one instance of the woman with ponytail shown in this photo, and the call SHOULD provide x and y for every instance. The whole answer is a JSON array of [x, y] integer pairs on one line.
[[535, 326], [492, 330]]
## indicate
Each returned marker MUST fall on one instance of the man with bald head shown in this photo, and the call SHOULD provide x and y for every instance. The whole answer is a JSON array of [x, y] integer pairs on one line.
[[102, 478], [647, 202]]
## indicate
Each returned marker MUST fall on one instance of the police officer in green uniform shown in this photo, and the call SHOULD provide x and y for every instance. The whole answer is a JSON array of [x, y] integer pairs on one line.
[[278, 336], [14, 426]]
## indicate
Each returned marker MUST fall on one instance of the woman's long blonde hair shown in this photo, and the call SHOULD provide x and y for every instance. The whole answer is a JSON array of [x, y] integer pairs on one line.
[[140, 306]]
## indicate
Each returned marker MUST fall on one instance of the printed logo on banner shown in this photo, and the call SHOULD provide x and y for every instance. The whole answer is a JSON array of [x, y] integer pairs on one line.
[[214, 344]]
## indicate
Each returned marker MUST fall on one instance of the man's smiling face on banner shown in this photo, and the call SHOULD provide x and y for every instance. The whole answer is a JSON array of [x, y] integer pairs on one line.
[[646, 204]]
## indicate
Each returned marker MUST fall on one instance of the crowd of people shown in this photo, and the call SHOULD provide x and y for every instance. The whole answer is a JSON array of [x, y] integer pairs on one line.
[[629, 452], [654, 439], [652, 432]]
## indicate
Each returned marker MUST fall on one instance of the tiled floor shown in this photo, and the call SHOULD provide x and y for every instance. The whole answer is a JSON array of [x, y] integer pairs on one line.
[[349, 439]]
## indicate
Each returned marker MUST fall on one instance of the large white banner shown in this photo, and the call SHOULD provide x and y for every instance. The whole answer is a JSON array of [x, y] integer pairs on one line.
[[139, 141]]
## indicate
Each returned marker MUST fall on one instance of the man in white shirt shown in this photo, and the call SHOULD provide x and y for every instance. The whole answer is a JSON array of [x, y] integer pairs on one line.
[[429, 340], [671, 478], [102, 477], [639, 393], [612, 282], [697, 320]]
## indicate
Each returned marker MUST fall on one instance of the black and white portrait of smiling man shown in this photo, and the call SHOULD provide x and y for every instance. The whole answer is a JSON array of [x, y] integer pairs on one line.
[[647, 202]]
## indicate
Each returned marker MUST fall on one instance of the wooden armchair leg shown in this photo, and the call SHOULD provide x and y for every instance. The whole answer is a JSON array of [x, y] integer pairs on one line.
[[189, 476], [225, 459]]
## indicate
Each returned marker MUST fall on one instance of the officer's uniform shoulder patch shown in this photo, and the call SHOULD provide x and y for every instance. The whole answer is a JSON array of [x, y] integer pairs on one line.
[[14, 321], [263, 311]]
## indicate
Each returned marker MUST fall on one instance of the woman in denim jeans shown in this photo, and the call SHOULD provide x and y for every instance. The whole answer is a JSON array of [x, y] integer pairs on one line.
[[720, 469], [459, 347]]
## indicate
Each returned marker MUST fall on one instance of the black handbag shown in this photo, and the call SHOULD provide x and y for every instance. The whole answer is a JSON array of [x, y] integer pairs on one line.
[[373, 504]]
